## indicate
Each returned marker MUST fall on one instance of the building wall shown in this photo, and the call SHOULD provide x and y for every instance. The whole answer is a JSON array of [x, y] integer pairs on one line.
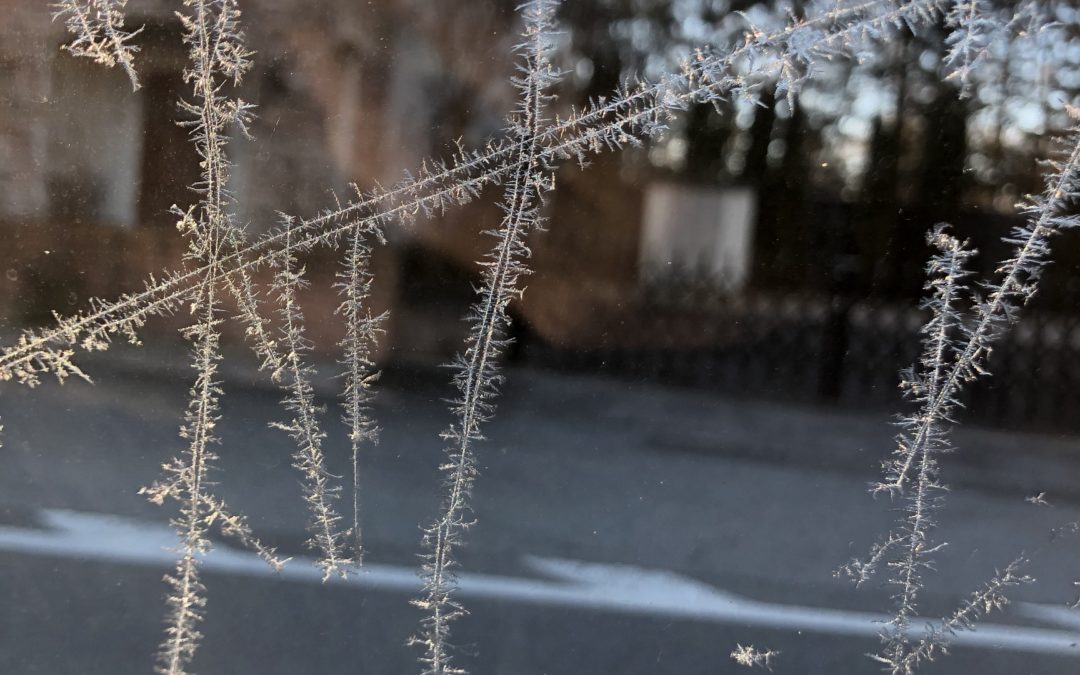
[[24, 87], [346, 93]]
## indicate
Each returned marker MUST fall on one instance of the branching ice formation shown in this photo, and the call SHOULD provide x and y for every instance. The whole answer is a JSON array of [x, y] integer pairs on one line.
[[955, 353], [98, 27], [991, 597], [753, 658], [781, 49], [830, 30], [206, 233], [477, 375], [215, 45], [326, 536], [361, 337]]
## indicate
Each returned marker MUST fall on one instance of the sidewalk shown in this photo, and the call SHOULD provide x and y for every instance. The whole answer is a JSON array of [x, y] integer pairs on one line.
[[683, 420]]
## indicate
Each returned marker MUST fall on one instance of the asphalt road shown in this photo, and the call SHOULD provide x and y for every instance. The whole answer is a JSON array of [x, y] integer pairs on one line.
[[621, 528]]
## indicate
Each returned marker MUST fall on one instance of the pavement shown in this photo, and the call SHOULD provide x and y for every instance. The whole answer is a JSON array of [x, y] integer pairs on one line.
[[621, 528]]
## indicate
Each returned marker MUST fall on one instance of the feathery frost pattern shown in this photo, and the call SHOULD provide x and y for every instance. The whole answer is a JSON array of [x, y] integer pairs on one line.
[[326, 535], [477, 376], [990, 598], [631, 115], [186, 596], [955, 353], [754, 658], [973, 33], [361, 337], [781, 49], [212, 35], [942, 334], [98, 27], [978, 27]]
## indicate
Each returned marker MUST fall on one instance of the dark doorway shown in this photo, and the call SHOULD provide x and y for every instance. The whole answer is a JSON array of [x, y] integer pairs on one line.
[[170, 164]]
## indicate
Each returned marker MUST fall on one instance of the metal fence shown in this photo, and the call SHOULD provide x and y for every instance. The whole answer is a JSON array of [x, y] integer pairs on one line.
[[824, 350]]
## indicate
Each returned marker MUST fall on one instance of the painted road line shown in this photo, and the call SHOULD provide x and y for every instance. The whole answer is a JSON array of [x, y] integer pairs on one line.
[[565, 583]]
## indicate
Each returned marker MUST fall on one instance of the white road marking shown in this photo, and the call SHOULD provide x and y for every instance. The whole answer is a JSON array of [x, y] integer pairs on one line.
[[1057, 615], [569, 583]]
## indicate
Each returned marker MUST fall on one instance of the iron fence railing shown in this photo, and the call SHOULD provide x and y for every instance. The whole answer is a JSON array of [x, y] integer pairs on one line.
[[824, 350]]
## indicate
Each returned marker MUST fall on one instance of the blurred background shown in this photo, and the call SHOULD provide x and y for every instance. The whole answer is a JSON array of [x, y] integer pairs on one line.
[[734, 299], [777, 248]]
